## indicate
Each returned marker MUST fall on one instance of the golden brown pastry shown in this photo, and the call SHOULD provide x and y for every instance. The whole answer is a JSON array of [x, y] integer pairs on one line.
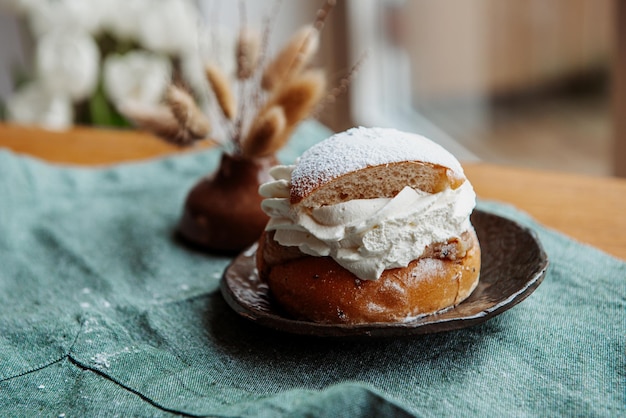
[[370, 225]]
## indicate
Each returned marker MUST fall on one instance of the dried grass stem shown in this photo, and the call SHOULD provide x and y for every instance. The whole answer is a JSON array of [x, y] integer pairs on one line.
[[294, 56], [300, 95], [266, 134], [248, 51], [222, 90]]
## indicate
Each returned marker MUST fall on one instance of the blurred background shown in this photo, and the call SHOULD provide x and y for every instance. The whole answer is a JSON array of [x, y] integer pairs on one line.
[[526, 83]]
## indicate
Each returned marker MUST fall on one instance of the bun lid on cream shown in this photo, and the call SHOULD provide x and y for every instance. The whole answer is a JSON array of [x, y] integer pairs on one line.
[[360, 148]]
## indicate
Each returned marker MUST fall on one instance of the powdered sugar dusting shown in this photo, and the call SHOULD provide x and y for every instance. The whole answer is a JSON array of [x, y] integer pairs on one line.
[[361, 147], [429, 268]]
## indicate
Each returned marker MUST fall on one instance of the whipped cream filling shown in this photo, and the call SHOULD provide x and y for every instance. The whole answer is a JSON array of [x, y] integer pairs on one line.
[[367, 236]]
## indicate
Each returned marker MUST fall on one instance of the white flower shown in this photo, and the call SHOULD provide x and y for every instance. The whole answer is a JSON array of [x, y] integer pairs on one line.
[[51, 15], [68, 63], [137, 76], [33, 104], [122, 18], [169, 26]]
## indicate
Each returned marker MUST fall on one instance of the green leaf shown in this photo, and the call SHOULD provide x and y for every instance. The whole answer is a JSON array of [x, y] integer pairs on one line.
[[102, 113]]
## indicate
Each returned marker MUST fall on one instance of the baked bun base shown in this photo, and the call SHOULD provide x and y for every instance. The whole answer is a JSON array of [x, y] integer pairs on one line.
[[320, 290]]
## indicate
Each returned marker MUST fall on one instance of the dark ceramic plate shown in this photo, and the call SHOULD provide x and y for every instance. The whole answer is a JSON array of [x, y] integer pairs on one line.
[[513, 265]]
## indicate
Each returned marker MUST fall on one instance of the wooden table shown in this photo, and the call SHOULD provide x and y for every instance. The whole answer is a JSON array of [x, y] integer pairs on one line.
[[589, 209]]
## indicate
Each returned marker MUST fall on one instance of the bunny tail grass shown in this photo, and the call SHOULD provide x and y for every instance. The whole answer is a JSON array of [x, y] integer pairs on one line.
[[248, 52], [223, 93], [294, 56], [267, 134], [159, 121], [300, 96], [186, 111]]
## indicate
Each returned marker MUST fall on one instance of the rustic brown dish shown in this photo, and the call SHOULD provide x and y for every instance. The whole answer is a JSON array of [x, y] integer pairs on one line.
[[513, 265]]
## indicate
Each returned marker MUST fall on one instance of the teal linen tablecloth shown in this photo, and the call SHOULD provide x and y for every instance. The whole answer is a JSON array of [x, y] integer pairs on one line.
[[104, 313]]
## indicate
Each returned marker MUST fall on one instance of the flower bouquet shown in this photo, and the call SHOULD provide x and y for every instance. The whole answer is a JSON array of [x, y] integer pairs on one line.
[[251, 118]]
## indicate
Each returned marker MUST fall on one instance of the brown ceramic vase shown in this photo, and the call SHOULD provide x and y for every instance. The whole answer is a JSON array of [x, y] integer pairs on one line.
[[222, 211]]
